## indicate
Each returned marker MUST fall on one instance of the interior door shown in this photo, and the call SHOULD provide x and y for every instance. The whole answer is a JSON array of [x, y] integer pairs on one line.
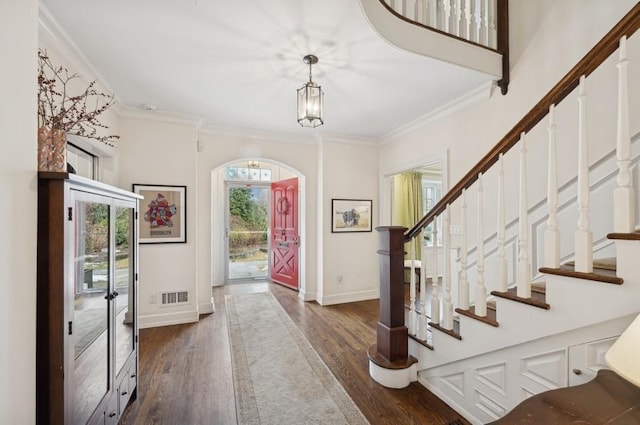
[[285, 239]]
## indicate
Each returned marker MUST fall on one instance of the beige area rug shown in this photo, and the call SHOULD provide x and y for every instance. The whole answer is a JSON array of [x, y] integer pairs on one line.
[[278, 377]]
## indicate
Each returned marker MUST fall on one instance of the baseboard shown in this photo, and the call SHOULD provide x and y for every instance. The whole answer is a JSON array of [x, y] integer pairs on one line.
[[206, 308], [307, 296], [166, 319], [449, 401], [350, 297]]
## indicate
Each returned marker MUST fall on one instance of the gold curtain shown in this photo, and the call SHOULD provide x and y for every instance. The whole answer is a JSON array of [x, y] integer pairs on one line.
[[407, 204]]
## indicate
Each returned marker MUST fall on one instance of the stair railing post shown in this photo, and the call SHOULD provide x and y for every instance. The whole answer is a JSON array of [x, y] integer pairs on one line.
[[389, 361], [583, 239], [463, 279], [447, 305], [481, 288], [435, 289], [623, 196], [392, 335], [552, 234], [523, 277], [502, 267]]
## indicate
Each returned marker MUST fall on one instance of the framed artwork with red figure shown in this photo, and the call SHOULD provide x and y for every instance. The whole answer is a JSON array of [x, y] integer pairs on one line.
[[163, 213]]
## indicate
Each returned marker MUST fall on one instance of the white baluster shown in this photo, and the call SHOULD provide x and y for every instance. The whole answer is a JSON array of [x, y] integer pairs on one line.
[[447, 305], [478, 21], [457, 18], [492, 30], [502, 268], [446, 17], [435, 294], [463, 280], [422, 317], [583, 238], [523, 277], [623, 197], [421, 12], [412, 290], [552, 234], [481, 289], [410, 10], [483, 23], [473, 28], [432, 13], [467, 19]]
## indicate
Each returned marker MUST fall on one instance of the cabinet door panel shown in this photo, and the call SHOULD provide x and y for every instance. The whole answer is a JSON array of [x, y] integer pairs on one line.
[[124, 285], [89, 328]]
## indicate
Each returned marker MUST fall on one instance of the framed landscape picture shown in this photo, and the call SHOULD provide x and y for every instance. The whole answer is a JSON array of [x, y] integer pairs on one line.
[[163, 213], [351, 215]]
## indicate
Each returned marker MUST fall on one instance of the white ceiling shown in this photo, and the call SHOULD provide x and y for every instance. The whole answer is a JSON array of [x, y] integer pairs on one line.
[[238, 63]]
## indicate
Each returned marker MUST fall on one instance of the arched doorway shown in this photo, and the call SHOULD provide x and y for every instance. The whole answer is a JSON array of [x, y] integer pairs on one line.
[[239, 250]]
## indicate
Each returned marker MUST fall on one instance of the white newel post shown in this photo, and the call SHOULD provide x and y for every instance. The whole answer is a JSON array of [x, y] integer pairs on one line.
[[422, 317], [447, 305], [481, 289], [463, 279], [502, 277], [583, 238], [435, 295], [552, 234], [412, 290], [623, 197], [523, 277]]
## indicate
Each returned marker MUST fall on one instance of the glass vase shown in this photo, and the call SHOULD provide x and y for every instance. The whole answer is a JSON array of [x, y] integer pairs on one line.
[[52, 150]]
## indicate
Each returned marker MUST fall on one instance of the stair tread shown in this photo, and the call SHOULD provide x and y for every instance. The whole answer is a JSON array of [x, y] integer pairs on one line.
[[537, 299], [598, 274], [633, 236], [489, 319], [455, 332], [608, 263], [427, 343]]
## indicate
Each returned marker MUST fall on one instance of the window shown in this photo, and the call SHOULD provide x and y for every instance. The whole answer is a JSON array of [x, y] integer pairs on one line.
[[83, 162]]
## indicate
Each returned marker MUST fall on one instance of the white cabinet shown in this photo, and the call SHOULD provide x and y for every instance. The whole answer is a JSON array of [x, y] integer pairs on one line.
[[87, 330]]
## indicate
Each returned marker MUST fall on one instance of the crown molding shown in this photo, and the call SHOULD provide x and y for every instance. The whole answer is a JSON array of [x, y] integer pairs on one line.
[[483, 92], [55, 39]]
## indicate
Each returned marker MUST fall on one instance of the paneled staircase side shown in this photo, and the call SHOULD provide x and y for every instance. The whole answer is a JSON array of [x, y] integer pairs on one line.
[[485, 387], [433, 44]]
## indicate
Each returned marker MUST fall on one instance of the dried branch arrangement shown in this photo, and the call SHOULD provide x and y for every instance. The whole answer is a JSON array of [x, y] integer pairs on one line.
[[73, 114]]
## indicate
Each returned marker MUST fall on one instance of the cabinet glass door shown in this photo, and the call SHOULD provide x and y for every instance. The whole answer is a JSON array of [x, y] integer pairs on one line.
[[124, 285], [89, 328]]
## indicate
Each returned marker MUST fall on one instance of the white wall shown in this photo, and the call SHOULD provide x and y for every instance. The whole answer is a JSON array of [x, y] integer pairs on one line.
[[157, 152], [349, 171], [18, 191]]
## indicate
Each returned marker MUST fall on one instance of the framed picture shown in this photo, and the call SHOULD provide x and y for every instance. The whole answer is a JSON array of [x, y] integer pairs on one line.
[[163, 213], [350, 215]]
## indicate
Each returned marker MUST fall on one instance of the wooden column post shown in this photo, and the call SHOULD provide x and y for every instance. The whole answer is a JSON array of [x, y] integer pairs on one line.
[[391, 350]]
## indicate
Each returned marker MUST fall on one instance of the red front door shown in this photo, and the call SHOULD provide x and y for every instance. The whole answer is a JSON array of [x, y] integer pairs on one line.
[[285, 239]]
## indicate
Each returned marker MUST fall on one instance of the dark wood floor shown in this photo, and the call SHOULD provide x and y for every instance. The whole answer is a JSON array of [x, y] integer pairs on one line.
[[185, 370]]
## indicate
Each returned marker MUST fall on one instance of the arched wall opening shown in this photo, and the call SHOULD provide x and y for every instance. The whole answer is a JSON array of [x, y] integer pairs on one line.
[[279, 171]]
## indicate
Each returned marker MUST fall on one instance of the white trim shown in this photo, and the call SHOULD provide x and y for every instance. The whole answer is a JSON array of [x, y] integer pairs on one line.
[[393, 378], [206, 308], [477, 95], [349, 297], [166, 319]]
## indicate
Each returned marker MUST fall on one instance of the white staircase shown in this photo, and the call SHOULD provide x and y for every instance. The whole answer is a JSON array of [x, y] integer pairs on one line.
[[546, 324]]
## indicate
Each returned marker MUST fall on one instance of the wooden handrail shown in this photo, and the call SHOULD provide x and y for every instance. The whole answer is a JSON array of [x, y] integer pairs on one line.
[[627, 26]]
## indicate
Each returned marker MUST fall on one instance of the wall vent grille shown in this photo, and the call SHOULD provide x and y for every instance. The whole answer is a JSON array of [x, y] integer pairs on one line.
[[175, 297]]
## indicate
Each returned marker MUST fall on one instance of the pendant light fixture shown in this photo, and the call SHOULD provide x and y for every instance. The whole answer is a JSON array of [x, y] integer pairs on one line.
[[310, 99]]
